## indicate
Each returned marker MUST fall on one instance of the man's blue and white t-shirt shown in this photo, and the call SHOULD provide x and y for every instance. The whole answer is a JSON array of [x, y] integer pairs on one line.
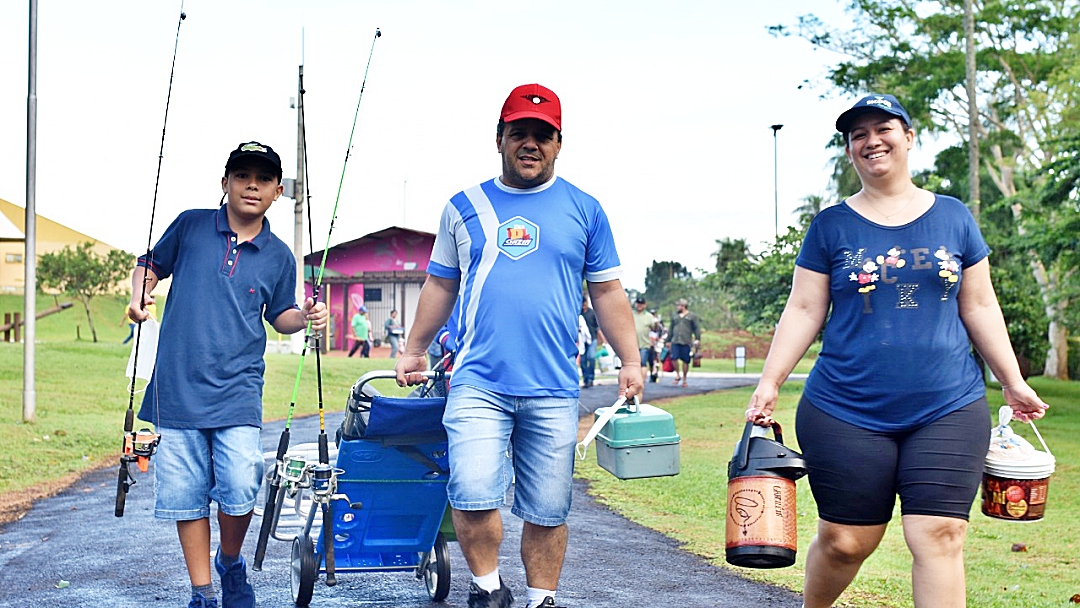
[[520, 256]]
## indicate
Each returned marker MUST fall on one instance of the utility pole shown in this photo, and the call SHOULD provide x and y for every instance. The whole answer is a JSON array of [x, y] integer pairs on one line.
[[776, 182], [30, 228], [297, 339]]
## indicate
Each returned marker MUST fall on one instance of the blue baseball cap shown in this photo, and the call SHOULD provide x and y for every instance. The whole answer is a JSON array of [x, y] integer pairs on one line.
[[872, 103]]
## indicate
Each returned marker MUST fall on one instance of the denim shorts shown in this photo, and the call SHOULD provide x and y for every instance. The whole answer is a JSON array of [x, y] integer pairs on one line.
[[194, 466], [485, 428]]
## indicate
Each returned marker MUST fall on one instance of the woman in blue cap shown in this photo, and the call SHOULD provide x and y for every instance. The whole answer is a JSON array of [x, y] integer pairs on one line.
[[896, 404]]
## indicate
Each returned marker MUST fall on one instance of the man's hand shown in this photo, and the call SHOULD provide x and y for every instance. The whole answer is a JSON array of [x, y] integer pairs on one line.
[[409, 369], [630, 380]]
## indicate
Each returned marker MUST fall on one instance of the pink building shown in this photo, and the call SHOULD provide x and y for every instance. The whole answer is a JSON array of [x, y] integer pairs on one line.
[[383, 271]]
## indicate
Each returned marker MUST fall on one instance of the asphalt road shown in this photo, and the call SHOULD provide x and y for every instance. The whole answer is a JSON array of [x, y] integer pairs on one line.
[[70, 551]]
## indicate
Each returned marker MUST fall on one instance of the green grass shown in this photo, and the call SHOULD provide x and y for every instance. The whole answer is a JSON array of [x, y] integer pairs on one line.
[[690, 508], [752, 366]]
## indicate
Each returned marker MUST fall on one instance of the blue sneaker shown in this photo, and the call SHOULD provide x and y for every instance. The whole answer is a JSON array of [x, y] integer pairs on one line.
[[236, 591], [199, 600]]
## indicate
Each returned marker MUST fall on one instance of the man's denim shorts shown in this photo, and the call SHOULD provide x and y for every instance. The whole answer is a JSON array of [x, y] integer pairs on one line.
[[194, 466], [482, 426]]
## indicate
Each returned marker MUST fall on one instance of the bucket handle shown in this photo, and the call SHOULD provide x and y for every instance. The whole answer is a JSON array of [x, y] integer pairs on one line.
[[582, 447], [744, 443], [1039, 435]]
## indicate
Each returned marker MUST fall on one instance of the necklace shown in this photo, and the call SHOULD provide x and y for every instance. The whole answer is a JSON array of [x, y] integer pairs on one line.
[[910, 199]]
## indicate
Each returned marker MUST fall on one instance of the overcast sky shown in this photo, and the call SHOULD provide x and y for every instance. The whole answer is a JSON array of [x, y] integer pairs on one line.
[[667, 110]]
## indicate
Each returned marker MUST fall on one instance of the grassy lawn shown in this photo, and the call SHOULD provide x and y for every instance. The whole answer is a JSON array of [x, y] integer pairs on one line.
[[690, 507]]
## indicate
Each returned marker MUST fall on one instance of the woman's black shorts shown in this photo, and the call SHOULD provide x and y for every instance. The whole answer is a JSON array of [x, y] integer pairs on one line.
[[855, 474]]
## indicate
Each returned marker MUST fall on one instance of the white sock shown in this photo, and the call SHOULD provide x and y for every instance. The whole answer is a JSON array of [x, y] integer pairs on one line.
[[535, 596], [489, 582]]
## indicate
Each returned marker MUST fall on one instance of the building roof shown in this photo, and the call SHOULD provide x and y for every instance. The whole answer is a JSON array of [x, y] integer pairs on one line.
[[49, 232], [9, 231], [368, 239]]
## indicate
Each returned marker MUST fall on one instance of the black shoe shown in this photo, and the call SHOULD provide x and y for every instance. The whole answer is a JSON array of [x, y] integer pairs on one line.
[[549, 602], [500, 598], [654, 377]]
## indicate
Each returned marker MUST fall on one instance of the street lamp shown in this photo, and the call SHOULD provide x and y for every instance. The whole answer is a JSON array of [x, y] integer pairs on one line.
[[776, 182]]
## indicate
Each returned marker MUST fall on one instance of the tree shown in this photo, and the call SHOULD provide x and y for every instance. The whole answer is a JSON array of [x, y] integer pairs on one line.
[[759, 286], [1025, 81], [657, 278], [81, 272], [812, 205], [730, 251]]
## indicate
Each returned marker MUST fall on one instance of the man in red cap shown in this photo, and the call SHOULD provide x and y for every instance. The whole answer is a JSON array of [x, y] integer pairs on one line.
[[512, 253]]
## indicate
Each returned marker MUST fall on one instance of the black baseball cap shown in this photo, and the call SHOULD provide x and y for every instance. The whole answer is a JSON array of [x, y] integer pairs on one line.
[[254, 150], [640, 300], [872, 103]]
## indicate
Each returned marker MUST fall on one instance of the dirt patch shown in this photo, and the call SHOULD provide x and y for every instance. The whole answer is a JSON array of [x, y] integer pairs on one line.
[[721, 344]]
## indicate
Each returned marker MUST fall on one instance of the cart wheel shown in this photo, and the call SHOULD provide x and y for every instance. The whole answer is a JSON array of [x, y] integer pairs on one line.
[[304, 570], [437, 572]]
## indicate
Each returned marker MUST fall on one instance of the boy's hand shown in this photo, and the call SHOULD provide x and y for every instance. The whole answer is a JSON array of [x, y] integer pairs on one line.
[[315, 313], [139, 313]]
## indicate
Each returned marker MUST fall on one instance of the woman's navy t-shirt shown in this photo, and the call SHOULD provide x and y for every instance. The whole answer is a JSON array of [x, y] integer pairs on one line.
[[895, 354]]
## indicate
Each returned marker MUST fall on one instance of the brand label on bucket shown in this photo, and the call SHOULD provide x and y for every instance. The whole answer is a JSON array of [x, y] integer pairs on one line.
[[761, 511], [1017, 499]]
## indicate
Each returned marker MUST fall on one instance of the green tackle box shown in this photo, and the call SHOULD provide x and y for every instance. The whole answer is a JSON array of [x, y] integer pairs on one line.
[[635, 444]]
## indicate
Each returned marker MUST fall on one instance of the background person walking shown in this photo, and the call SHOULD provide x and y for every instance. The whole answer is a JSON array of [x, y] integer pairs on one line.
[[395, 332], [361, 329], [684, 334], [596, 338], [895, 404]]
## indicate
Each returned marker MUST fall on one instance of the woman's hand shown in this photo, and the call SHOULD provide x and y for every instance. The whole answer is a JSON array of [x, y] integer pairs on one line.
[[1025, 403], [762, 403]]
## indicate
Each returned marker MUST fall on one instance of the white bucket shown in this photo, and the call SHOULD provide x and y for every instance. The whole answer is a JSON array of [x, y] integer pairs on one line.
[[1017, 490]]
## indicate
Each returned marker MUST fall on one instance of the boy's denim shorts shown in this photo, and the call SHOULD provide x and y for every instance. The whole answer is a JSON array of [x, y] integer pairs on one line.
[[485, 428], [194, 466]]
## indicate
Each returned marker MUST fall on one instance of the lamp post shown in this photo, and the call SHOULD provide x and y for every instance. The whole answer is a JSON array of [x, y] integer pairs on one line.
[[776, 183]]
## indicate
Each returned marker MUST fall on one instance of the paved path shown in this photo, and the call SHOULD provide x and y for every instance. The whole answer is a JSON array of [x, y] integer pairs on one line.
[[135, 561]]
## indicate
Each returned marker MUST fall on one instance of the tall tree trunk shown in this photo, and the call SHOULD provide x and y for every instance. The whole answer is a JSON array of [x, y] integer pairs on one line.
[[89, 319], [1057, 356], [974, 192]]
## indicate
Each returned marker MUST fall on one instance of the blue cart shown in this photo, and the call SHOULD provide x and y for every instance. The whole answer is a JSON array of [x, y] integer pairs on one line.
[[387, 491]]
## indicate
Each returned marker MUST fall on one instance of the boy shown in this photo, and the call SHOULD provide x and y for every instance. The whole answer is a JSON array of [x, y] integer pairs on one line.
[[229, 272]]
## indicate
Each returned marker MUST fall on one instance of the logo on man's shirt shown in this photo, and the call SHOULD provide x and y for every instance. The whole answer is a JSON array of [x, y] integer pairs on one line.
[[518, 237]]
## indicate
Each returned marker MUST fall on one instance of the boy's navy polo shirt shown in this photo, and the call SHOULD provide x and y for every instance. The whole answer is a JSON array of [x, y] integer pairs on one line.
[[209, 371]]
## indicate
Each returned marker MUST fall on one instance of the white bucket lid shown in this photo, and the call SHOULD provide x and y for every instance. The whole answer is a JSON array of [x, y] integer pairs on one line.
[[1038, 466]]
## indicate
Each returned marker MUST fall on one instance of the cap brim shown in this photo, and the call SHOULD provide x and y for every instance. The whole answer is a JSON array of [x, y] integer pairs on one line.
[[511, 117], [843, 122]]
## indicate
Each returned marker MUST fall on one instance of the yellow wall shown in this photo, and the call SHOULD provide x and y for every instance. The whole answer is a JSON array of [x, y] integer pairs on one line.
[[50, 236]]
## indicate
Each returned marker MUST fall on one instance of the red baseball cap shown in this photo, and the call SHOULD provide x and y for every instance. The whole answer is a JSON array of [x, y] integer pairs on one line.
[[533, 101]]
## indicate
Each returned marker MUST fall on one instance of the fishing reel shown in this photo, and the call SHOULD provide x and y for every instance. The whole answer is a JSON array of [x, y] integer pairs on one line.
[[139, 446]]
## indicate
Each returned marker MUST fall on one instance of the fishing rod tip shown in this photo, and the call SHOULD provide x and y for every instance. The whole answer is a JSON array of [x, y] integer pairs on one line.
[[183, 16], [378, 33]]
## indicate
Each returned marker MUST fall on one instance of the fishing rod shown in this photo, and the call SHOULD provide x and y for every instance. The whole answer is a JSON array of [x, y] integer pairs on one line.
[[140, 445], [323, 473]]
